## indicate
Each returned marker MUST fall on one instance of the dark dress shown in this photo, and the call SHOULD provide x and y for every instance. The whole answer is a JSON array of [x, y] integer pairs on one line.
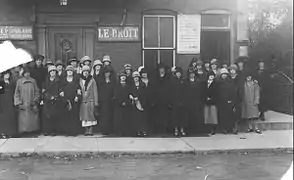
[[263, 78], [211, 99], [226, 103], [106, 97], [8, 121], [139, 115], [122, 109], [70, 123], [162, 104], [177, 96], [50, 117], [39, 74], [238, 85], [194, 104]]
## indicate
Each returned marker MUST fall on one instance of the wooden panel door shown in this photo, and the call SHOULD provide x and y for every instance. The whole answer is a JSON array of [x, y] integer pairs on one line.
[[65, 43]]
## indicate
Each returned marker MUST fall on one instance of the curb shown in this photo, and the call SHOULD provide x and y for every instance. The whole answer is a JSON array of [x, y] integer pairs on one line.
[[76, 155]]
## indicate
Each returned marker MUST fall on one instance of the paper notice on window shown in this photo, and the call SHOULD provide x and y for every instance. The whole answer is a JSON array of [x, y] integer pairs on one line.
[[189, 29], [243, 51]]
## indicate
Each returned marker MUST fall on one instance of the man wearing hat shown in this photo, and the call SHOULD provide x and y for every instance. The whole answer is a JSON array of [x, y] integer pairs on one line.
[[177, 103], [26, 99], [263, 78], [50, 92], [38, 71], [226, 102]]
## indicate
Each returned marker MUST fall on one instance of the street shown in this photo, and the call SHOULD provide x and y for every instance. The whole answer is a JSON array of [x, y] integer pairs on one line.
[[156, 167]]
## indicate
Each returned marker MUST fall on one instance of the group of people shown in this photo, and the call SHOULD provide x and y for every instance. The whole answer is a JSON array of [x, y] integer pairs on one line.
[[89, 96]]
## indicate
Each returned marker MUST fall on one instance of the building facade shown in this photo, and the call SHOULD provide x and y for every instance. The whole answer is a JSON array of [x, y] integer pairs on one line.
[[130, 31]]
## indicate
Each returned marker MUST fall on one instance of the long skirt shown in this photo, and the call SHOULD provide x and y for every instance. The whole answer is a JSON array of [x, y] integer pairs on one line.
[[179, 118], [195, 119], [139, 121], [8, 122], [122, 121], [106, 118], [70, 123], [210, 114], [28, 120], [226, 117]]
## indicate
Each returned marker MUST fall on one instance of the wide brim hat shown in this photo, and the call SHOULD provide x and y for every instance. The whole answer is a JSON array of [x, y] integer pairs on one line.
[[143, 70], [135, 74], [106, 58], [233, 66], [211, 73], [86, 68], [26, 69], [128, 67], [242, 59], [97, 62], [52, 68], [70, 68], [58, 63], [121, 73], [224, 71], [84, 59], [179, 69], [107, 69], [214, 61], [49, 62], [199, 62], [72, 59]]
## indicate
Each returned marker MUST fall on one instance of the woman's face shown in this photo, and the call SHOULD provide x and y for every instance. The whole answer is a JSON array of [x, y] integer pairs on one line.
[[106, 63], [86, 73], [73, 63], [69, 73], [213, 66], [199, 66], [59, 68], [27, 74], [192, 75], [38, 62], [240, 65], [144, 75], [178, 74], [162, 71], [107, 74], [52, 73], [232, 71], [225, 66], [97, 68], [248, 78], [6, 76], [224, 76], [261, 65], [136, 79], [211, 77], [206, 65], [87, 63], [123, 78], [128, 71]]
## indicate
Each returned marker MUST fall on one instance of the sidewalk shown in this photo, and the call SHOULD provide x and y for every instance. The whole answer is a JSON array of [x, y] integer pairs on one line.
[[269, 140]]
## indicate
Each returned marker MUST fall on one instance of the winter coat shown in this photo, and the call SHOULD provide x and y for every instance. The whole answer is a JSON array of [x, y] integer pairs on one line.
[[211, 93], [8, 122], [89, 100], [250, 100], [39, 74], [26, 97], [263, 78]]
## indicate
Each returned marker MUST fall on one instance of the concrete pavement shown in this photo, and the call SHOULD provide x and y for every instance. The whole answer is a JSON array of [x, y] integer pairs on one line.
[[269, 140]]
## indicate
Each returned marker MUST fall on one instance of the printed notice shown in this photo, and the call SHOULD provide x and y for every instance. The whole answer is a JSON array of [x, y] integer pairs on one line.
[[16, 32], [189, 29]]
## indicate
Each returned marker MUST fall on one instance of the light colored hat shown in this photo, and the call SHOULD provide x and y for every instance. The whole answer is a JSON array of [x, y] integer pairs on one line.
[[233, 66], [49, 62], [224, 71], [72, 59], [70, 68], [136, 74], [106, 58], [85, 58], [213, 61], [127, 66], [199, 62], [52, 68], [97, 62], [86, 68], [140, 68]]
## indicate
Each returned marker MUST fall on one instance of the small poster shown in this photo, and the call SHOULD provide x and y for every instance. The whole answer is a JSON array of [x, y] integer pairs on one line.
[[16, 32], [189, 29]]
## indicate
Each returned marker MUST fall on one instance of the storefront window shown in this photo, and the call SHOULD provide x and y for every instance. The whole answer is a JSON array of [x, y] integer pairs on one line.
[[158, 40]]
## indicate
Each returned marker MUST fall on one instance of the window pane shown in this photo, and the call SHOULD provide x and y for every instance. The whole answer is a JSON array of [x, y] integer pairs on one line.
[[166, 57], [215, 20], [150, 58], [150, 32], [166, 32]]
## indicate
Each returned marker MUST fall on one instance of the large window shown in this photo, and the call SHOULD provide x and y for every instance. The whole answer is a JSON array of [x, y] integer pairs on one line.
[[158, 40]]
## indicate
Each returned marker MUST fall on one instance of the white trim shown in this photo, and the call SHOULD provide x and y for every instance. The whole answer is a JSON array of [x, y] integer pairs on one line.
[[158, 56], [158, 31], [155, 48], [174, 58], [143, 33], [216, 12], [216, 28], [174, 32], [158, 16], [143, 58]]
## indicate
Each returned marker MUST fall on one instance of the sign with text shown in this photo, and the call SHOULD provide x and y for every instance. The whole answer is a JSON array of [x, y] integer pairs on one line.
[[189, 29], [118, 33], [16, 33]]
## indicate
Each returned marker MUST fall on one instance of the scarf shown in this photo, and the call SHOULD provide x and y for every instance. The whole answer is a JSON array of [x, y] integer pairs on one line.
[[87, 80]]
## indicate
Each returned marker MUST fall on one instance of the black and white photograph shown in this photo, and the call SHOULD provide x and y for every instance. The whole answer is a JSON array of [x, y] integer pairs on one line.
[[146, 89]]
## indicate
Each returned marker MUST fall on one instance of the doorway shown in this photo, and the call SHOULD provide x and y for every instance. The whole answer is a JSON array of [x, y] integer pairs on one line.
[[69, 42], [215, 44]]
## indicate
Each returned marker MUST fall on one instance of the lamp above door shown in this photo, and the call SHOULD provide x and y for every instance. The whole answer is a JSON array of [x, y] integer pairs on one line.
[[63, 2]]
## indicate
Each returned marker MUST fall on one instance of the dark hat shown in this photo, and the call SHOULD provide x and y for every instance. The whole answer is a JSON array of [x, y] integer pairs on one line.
[[26, 69], [243, 59], [49, 62], [108, 69], [121, 73], [161, 66], [38, 56], [143, 70], [260, 60], [179, 69], [210, 73], [58, 62], [72, 59]]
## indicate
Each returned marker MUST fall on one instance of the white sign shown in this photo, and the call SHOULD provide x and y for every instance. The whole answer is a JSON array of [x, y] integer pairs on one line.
[[189, 28]]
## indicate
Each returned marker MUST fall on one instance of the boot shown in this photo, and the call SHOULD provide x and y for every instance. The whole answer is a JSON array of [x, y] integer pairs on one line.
[[90, 132]]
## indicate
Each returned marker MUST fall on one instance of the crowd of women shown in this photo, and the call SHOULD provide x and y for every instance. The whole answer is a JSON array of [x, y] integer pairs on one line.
[[89, 96]]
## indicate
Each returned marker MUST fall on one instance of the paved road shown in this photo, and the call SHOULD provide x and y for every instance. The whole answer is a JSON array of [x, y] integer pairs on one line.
[[163, 167]]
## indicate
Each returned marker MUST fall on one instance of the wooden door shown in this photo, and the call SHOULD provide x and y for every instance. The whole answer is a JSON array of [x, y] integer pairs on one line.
[[65, 43]]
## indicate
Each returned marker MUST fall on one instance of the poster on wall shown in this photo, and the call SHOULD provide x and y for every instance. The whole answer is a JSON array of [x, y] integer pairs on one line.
[[189, 29], [16, 32]]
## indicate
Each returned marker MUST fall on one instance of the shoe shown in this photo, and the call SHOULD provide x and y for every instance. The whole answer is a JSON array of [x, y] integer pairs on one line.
[[176, 132], [144, 134], [183, 132], [250, 130], [225, 132], [258, 131], [235, 132], [212, 133]]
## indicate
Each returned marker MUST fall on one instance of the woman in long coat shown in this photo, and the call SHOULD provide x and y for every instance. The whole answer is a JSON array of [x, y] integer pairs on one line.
[[26, 98], [89, 101], [50, 91], [70, 93], [250, 101], [211, 98], [138, 98], [122, 106], [162, 100], [8, 123], [226, 102], [179, 121], [194, 103], [106, 99]]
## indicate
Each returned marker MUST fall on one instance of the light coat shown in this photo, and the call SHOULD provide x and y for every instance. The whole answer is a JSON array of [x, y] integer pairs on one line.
[[250, 100]]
